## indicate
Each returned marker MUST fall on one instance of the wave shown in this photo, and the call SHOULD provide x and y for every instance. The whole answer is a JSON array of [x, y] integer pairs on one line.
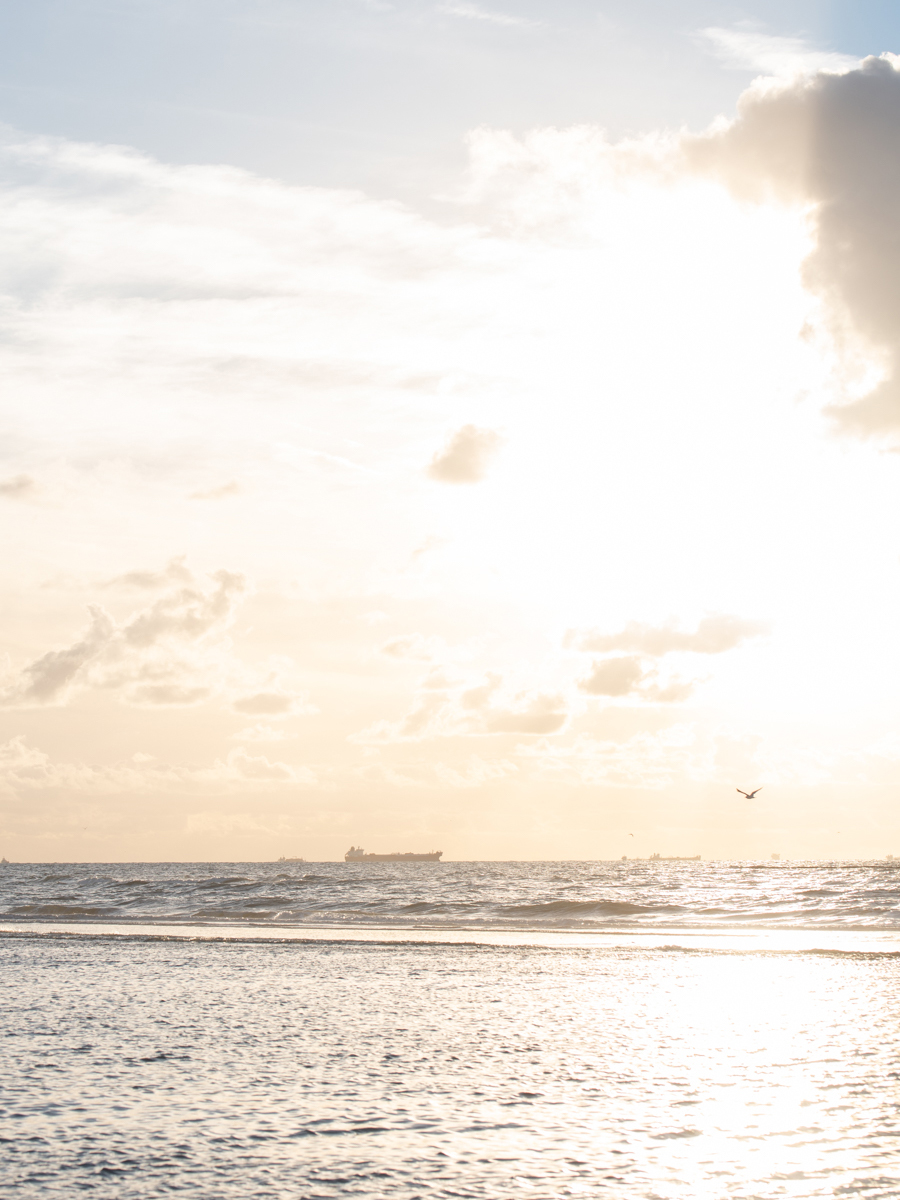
[[576, 896]]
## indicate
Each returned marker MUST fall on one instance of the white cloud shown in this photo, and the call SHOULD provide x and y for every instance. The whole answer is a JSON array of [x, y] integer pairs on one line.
[[466, 457], [472, 12], [746, 48]]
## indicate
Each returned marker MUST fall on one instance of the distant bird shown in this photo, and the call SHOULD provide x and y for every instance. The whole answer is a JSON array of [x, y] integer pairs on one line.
[[750, 795], [631, 835]]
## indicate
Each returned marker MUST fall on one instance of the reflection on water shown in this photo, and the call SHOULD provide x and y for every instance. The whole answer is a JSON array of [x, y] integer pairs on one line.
[[232, 1070]]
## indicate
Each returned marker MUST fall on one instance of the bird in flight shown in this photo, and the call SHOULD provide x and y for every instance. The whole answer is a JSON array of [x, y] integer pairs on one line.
[[749, 795]]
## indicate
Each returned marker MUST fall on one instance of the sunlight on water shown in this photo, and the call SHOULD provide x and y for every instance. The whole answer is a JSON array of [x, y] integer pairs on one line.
[[269, 1069]]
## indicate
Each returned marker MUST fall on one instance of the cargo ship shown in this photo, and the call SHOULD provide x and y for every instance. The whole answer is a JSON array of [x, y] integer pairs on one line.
[[357, 854], [674, 858]]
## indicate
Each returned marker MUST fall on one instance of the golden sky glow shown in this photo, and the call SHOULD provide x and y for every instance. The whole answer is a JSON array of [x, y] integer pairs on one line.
[[510, 529]]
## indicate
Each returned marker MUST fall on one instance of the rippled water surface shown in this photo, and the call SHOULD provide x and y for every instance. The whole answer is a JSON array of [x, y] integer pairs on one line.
[[139, 1068], [221, 1066], [564, 895]]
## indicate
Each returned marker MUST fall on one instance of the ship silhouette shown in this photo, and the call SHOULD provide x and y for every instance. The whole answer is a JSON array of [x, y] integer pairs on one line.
[[357, 854]]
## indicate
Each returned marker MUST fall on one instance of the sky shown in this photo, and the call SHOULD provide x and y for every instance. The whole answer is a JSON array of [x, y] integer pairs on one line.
[[448, 425]]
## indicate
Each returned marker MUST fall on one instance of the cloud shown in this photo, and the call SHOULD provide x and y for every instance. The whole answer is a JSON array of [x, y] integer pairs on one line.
[[626, 675], [187, 612], [715, 634], [232, 488], [832, 143], [629, 674], [274, 703], [745, 48], [17, 487], [466, 456], [645, 760], [174, 572], [409, 646], [471, 12], [261, 733], [483, 710], [48, 678], [161, 695], [169, 653], [540, 713], [476, 772], [619, 676], [25, 768], [258, 767]]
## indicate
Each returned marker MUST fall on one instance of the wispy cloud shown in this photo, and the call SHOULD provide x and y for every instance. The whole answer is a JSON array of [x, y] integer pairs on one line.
[[232, 488], [714, 635], [18, 487], [472, 12], [466, 456], [744, 48]]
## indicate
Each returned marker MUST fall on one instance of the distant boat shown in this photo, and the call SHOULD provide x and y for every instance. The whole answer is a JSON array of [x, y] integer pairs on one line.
[[674, 858], [357, 854], [776, 858], [6, 860], [283, 859]]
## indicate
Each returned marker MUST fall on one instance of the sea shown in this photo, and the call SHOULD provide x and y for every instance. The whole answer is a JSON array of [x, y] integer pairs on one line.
[[638, 1029]]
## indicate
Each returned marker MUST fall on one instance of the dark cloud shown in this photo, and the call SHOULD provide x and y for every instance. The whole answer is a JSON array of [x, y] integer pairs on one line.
[[832, 142], [466, 456]]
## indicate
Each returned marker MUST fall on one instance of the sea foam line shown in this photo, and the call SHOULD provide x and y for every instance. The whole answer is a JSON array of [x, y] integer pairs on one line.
[[745, 940]]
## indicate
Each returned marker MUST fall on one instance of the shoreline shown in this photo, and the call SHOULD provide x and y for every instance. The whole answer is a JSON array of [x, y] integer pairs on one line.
[[733, 941]]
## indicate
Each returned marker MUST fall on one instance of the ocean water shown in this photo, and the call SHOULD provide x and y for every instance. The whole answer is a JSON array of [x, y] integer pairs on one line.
[[484, 1030], [638, 895]]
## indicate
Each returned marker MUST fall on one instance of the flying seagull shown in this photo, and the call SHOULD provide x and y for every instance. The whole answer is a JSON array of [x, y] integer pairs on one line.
[[749, 795]]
